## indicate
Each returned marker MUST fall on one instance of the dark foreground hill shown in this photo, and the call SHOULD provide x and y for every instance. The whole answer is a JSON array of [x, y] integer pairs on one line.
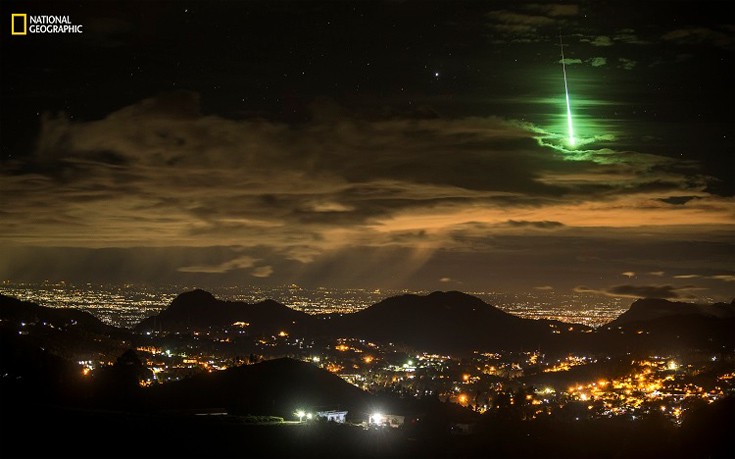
[[66, 332], [275, 387], [706, 433], [15, 310]]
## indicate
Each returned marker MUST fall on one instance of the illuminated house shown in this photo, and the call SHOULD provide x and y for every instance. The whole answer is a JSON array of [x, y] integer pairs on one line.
[[335, 416], [386, 420]]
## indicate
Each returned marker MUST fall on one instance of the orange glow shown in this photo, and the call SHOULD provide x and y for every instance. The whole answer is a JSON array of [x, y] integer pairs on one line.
[[368, 359], [86, 371], [282, 334], [334, 368]]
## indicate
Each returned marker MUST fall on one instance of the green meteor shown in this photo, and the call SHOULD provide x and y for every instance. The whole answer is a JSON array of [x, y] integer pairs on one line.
[[566, 93]]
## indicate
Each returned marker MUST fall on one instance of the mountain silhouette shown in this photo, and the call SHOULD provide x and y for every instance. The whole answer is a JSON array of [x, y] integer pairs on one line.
[[66, 332], [438, 321], [200, 310], [15, 310], [449, 321], [655, 308]]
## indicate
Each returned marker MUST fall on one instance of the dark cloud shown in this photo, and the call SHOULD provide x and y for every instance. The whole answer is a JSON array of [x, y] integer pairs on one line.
[[540, 225], [700, 35], [629, 36], [627, 64], [523, 25], [678, 200], [513, 18], [553, 9], [642, 291]]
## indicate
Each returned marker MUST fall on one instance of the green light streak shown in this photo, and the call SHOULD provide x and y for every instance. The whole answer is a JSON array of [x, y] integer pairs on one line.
[[572, 142]]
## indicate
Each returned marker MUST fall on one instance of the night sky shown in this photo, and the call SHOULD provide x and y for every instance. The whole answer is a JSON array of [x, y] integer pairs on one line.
[[418, 145]]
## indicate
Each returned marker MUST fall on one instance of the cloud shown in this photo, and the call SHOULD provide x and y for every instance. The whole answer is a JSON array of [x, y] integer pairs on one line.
[[524, 27], [641, 291], [242, 262], [538, 225], [678, 200], [597, 61], [512, 18], [544, 288], [262, 271], [405, 192], [600, 40], [656, 273], [627, 64], [630, 37], [720, 277], [724, 277], [159, 168], [629, 274], [699, 35], [553, 9], [570, 61]]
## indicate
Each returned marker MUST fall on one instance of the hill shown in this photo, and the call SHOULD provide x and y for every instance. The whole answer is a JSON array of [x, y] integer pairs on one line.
[[273, 387], [66, 332], [450, 321], [656, 308], [200, 310], [15, 310]]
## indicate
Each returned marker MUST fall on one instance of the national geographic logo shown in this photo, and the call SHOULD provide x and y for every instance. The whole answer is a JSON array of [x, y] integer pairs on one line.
[[18, 24], [38, 24]]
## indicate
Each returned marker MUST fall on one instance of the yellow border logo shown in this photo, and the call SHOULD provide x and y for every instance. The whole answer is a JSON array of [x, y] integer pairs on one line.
[[23, 31]]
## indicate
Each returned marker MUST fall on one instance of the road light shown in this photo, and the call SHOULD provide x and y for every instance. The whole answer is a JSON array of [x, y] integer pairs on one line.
[[300, 414]]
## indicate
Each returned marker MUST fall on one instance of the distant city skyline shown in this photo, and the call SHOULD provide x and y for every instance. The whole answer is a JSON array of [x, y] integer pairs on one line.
[[394, 145]]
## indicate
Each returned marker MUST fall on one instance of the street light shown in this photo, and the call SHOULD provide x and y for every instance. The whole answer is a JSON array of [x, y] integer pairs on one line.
[[300, 414]]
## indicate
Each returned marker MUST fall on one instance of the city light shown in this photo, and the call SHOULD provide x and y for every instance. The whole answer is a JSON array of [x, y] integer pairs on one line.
[[376, 419]]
